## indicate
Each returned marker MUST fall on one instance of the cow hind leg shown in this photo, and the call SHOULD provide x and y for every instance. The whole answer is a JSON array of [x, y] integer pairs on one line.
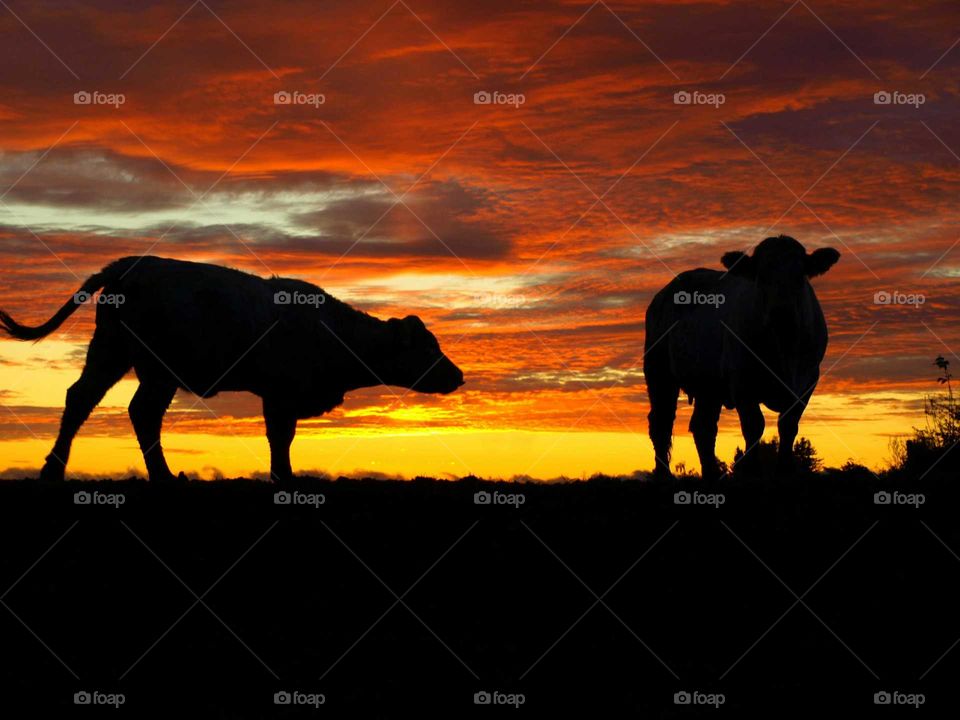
[[281, 428], [663, 411], [146, 410], [751, 425], [703, 425], [106, 363]]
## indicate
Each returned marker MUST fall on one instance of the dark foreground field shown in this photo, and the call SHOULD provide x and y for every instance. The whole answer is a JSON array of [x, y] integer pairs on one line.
[[389, 598]]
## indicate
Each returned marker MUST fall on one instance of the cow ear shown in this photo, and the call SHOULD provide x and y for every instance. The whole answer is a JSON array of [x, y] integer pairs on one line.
[[737, 263], [819, 261]]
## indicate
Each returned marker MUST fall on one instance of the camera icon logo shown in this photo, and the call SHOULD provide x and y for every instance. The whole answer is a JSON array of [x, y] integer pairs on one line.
[[82, 98], [482, 98], [82, 698], [482, 698], [882, 97], [282, 698], [882, 698], [682, 698], [82, 298], [81, 498], [882, 498], [281, 298], [482, 498], [282, 98], [681, 498], [682, 298], [881, 297], [281, 498], [682, 97]]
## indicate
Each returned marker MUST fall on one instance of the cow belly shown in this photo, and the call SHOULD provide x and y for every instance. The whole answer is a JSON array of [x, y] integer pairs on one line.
[[695, 355]]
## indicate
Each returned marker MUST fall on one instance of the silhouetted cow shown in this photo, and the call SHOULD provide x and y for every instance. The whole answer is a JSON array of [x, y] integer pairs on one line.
[[753, 334], [210, 329]]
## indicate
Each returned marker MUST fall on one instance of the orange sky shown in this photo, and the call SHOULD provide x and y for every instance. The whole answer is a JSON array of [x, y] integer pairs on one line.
[[529, 237]]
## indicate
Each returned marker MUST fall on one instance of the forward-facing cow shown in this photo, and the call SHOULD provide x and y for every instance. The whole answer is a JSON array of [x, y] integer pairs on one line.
[[210, 329], [752, 335]]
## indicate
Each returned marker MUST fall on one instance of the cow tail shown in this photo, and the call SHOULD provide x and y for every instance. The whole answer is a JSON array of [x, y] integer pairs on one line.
[[92, 284]]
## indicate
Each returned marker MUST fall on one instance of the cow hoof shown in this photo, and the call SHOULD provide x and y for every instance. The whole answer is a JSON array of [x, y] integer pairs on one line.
[[712, 472], [52, 472], [168, 479]]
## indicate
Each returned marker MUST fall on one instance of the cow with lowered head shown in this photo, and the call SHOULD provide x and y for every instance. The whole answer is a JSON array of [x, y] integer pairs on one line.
[[209, 329], [753, 335]]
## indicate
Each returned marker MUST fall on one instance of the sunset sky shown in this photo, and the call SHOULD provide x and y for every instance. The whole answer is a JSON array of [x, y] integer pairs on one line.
[[529, 236]]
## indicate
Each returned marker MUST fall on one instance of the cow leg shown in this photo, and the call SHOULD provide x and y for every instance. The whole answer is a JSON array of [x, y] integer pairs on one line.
[[663, 411], [703, 425], [106, 363], [281, 427], [751, 425], [146, 410], [788, 424]]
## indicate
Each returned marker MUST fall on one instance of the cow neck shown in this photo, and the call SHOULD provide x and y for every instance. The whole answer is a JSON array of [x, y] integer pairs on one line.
[[365, 363]]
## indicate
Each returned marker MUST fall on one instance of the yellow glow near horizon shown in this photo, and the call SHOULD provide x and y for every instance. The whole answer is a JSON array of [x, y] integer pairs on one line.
[[443, 454], [339, 445]]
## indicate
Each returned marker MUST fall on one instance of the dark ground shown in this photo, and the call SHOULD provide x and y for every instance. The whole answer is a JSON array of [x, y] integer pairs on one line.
[[291, 596]]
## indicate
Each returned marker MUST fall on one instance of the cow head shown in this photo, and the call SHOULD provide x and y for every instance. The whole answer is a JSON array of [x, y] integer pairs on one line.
[[785, 330], [780, 267], [417, 361]]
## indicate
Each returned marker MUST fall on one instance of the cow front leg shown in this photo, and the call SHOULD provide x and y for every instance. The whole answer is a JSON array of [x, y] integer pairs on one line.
[[703, 425], [788, 424], [281, 427], [751, 425]]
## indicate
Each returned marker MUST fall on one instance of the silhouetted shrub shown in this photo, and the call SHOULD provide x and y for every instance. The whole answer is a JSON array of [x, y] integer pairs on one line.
[[804, 456], [932, 446]]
